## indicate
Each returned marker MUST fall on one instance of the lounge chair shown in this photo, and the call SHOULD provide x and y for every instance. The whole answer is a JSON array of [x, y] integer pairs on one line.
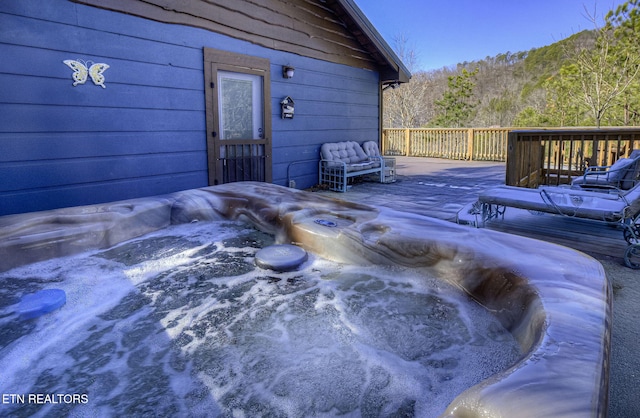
[[609, 203], [624, 174]]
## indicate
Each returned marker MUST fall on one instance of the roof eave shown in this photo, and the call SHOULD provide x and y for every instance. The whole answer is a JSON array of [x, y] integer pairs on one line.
[[395, 71]]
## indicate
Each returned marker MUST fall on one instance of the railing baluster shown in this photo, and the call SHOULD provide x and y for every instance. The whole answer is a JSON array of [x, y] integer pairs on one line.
[[552, 156]]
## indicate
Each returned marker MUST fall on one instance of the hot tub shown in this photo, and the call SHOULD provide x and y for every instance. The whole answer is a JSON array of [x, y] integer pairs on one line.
[[554, 301]]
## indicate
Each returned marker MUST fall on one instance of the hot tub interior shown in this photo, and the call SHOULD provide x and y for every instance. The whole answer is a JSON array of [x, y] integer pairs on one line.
[[181, 321]]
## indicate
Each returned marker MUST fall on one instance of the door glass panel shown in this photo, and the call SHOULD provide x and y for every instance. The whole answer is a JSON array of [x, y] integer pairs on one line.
[[240, 105]]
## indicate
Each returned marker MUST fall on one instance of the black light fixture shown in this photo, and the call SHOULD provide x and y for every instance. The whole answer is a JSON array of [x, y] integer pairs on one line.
[[391, 85], [287, 71]]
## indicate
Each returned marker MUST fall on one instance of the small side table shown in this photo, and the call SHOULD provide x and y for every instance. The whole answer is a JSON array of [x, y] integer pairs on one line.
[[389, 170]]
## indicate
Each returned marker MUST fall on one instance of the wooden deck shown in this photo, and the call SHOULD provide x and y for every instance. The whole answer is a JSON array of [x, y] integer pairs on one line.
[[441, 188], [594, 238]]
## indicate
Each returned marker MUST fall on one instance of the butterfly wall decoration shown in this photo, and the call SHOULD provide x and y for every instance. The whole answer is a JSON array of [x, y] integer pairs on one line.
[[85, 69]]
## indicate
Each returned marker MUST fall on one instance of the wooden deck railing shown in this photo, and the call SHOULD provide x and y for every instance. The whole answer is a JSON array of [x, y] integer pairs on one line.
[[458, 144], [555, 157], [550, 156]]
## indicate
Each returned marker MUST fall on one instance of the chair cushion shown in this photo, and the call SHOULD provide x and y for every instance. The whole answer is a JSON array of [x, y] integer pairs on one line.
[[349, 152], [371, 149], [621, 174], [632, 174], [619, 169], [362, 166]]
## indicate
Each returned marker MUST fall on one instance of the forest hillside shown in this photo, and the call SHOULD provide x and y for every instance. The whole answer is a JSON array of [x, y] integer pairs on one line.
[[588, 79]]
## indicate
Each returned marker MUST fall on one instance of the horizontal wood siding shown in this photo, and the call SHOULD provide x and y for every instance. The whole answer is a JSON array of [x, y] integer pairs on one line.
[[64, 145], [145, 133], [332, 103]]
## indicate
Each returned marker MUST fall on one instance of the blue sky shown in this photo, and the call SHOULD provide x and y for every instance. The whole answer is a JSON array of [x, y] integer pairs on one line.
[[446, 32]]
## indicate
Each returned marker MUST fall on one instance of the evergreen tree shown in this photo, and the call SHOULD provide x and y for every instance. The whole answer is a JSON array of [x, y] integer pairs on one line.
[[529, 117], [457, 106], [562, 109]]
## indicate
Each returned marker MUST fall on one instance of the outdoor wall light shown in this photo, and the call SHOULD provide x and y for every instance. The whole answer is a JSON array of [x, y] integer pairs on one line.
[[391, 85], [287, 71]]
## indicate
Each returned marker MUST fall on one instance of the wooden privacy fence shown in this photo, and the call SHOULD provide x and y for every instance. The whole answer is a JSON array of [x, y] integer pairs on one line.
[[555, 157], [489, 144]]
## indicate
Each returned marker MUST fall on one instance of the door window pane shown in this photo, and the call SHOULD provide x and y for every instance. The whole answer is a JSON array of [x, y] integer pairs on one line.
[[240, 105]]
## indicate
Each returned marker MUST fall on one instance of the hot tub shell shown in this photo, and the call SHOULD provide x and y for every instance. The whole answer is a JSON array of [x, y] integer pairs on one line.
[[555, 301]]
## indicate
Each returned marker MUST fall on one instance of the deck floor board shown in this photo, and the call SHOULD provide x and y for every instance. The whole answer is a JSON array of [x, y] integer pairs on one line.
[[442, 188], [591, 237]]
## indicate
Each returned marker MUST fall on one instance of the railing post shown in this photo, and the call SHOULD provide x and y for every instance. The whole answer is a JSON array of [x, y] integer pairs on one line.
[[470, 134], [406, 142], [383, 142], [511, 178]]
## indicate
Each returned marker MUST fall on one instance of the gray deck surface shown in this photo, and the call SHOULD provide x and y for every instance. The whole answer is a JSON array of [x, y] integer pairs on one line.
[[441, 188], [429, 186]]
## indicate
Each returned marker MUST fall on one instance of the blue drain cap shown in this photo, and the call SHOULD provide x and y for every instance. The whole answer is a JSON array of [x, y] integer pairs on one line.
[[36, 304]]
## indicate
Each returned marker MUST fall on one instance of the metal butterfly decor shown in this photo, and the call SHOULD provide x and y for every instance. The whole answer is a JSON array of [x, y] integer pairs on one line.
[[85, 69]]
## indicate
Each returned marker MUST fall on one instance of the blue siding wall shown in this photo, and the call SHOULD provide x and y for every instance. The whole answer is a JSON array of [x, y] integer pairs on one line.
[[145, 134]]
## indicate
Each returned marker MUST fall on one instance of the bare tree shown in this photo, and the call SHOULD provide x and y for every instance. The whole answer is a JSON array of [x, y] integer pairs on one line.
[[603, 73], [404, 104]]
